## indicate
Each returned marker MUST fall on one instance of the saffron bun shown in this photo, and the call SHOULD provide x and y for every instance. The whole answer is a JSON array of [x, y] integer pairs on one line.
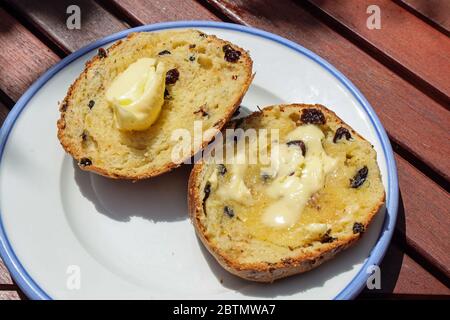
[[230, 204], [213, 76]]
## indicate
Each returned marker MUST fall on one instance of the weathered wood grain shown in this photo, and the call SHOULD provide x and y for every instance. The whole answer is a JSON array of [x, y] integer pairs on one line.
[[50, 17], [8, 289], [5, 278], [436, 12], [10, 295], [6, 283], [418, 49], [426, 224], [23, 57], [141, 12], [414, 121], [401, 275]]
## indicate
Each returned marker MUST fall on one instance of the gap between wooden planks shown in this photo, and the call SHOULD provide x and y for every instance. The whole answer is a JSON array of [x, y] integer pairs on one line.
[[38, 51]]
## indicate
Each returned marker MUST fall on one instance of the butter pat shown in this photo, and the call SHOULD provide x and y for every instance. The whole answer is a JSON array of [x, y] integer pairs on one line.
[[137, 94], [292, 192]]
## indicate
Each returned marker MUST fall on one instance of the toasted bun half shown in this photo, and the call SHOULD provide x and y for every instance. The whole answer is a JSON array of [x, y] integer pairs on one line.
[[230, 220], [213, 77]]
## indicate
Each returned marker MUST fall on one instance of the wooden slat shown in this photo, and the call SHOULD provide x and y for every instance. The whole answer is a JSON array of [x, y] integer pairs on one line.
[[396, 104], [414, 121], [10, 295], [8, 289], [401, 275], [435, 11], [408, 41], [158, 11], [424, 216], [50, 18], [23, 57], [5, 278]]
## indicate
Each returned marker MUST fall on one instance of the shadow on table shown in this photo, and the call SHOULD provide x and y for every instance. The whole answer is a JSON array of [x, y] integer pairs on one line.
[[392, 263]]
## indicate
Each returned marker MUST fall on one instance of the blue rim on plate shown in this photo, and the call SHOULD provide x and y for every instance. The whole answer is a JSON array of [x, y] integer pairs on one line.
[[32, 289]]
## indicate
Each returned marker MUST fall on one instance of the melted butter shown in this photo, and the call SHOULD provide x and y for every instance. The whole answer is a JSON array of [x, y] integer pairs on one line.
[[284, 160], [335, 206], [137, 94], [291, 193], [236, 189]]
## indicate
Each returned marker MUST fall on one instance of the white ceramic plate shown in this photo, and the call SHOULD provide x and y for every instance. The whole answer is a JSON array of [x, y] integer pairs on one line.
[[65, 233]]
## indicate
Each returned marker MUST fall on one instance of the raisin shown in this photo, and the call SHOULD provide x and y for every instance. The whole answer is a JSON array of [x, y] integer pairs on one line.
[[326, 238], [207, 192], [358, 228], [85, 162], [63, 107], [231, 55], [238, 122], [91, 104], [298, 143], [166, 94], [359, 178], [203, 35], [83, 136], [172, 76], [228, 211], [192, 58], [192, 46], [313, 116], [202, 110], [102, 53], [341, 132], [234, 77], [222, 169], [265, 176], [164, 52]]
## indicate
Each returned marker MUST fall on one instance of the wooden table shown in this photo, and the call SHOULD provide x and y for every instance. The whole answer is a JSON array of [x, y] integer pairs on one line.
[[403, 69]]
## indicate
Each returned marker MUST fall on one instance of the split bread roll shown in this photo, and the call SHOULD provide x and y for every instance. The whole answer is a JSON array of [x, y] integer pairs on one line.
[[265, 222], [210, 79]]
